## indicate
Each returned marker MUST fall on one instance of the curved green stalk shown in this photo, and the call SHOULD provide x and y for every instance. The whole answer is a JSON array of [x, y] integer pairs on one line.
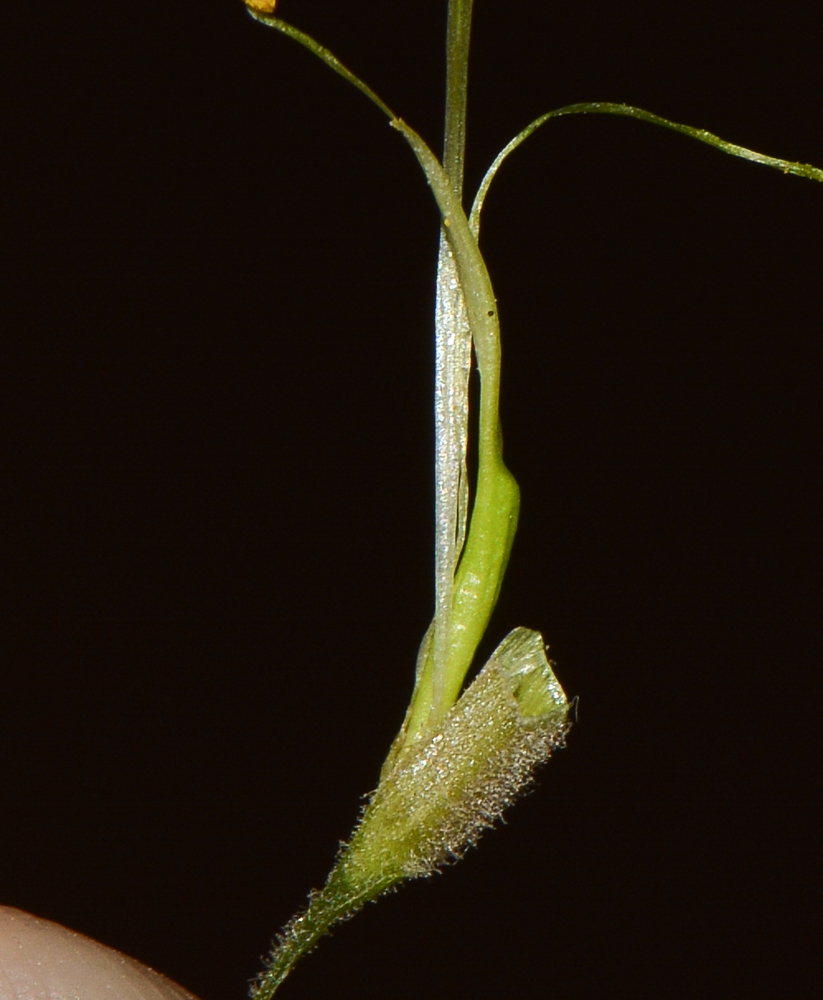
[[496, 506], [323, 53], [465, 594], [606, 108], [477, 581]]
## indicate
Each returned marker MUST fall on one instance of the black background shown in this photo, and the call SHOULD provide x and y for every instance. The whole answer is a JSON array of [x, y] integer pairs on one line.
[[217, 271]]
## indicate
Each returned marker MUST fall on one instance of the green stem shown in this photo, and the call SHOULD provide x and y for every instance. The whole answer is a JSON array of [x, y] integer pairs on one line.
[[465, 593], [494, 518], [458, 31], [452, 343], [607, 108], [323, 53], [338, 900]]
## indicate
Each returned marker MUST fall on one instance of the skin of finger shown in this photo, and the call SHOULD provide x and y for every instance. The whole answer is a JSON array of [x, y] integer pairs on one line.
[[41, 960]]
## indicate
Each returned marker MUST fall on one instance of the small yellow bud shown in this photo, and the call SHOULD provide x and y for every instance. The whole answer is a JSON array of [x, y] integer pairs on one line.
[[262, 6]]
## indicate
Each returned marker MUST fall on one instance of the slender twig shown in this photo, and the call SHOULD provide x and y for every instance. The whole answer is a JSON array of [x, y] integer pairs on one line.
[[607, 108]]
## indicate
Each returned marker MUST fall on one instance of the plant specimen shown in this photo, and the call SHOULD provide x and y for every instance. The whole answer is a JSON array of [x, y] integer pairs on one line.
[[459, 759]]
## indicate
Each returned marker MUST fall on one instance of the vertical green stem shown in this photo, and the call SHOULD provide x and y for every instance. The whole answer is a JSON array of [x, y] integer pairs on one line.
[[476, 584], [458, 32], [466, 583], [452, 366]]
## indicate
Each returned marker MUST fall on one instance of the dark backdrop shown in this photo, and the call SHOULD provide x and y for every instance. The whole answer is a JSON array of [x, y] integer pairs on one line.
[[217, 271]]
